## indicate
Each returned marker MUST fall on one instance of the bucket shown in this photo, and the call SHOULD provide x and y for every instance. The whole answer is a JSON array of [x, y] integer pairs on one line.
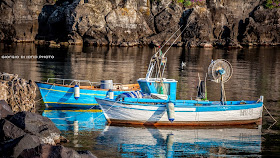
[[106, 84]]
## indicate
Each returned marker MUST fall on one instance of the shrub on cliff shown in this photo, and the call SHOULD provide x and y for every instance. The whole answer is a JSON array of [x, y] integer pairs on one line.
[[191, 3], [272, 4]]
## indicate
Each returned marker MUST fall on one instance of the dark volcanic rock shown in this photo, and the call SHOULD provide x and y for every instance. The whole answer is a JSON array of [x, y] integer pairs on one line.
[[262, 27], [142, 22], [7, 147], [9, 131], [86, 154], [5, 109], [90, 24], [47, 151], [27, 135], [37, 125], [126, 25], [94, 22], [27, 142], [226, 17], [166, 21], [7, 32], [218, 22], [19, 19], [198, 25]]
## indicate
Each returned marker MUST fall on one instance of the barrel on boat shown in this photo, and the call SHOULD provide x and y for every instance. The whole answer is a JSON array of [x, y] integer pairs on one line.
[[106, 84]]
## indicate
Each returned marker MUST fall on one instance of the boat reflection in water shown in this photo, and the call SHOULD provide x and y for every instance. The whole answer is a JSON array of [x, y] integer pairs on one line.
[[117, 141], [182, 142], [88, 120]]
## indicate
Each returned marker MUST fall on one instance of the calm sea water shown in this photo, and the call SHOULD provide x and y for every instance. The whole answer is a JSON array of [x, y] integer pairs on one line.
[[256, 71]]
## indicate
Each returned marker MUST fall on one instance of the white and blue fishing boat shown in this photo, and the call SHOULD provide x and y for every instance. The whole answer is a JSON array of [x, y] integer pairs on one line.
[[81, 94], [159, 105]]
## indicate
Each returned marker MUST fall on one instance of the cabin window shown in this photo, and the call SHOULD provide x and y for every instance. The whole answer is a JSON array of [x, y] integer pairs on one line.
[[162, 88], [144, 87]]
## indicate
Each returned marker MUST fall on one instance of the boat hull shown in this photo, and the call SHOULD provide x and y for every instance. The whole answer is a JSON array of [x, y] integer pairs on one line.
[[185, 115], [56, 96]]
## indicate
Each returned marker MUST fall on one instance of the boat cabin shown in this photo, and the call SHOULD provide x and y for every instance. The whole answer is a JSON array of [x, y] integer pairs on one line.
[[159, 86]]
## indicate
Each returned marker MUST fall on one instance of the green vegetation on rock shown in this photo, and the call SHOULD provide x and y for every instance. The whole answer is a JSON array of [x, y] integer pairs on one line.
[[272, 4], [189, 3]]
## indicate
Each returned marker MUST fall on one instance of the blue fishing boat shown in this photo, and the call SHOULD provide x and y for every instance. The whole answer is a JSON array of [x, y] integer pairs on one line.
[[81, 94], [159, 105]]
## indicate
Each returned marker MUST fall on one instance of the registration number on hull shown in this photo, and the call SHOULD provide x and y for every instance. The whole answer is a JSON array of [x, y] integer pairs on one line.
[[246, 112]]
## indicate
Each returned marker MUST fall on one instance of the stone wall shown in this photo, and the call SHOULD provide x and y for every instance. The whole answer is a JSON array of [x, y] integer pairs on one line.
[[18, 93]]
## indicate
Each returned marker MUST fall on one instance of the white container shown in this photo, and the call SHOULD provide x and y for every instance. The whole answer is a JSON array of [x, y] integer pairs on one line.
[[106, 84]]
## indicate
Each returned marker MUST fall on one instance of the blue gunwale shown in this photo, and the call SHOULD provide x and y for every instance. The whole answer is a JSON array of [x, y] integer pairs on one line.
[[192, 104], [61, 96]]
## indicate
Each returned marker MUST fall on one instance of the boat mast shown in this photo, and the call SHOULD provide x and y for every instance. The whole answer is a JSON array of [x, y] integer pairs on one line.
[[157, 65], [158, 60]]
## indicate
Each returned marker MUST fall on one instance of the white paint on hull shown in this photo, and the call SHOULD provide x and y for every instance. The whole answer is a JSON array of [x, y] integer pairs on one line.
[[147, 114]]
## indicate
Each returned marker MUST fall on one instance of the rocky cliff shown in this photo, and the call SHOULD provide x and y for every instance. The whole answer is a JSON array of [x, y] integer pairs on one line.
[[141, 22], [19, 20]]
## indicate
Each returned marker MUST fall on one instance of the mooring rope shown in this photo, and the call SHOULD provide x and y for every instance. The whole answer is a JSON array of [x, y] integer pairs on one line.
[[275, 121], [150, 66], [177, 38], [98, 115], [46, 94], [170, 37], [104, 111]]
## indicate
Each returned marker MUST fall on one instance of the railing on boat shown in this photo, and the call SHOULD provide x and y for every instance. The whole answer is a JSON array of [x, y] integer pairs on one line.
[[74, 81], [71, 81]]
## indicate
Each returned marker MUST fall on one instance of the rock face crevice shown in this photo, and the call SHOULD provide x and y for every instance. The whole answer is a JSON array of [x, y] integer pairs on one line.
[[142, 22]]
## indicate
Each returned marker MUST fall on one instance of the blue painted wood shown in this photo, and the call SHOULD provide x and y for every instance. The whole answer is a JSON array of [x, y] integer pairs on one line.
[[55, 96]]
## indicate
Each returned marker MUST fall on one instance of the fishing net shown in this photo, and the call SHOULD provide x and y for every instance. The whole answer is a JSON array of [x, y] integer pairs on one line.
[[17, 92]]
